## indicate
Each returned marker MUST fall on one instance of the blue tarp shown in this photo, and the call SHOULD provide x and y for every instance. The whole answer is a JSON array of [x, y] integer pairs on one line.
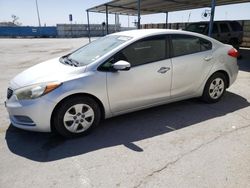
[[26, 31]]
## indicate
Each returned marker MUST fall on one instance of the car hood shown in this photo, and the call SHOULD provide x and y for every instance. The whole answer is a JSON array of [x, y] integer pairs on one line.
[[51, 70]]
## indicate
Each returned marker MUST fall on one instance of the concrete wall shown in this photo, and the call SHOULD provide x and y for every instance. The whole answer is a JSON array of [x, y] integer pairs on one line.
[[61, 31], [162, 26], [246, 33], [81, 30]]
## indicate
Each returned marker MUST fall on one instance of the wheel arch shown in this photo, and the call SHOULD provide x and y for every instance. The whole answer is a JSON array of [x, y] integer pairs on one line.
[[226, 76], [222, 72], [206, 97], [76, 95]]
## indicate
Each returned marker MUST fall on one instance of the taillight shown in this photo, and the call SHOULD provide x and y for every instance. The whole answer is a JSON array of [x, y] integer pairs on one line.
[[233, 53]]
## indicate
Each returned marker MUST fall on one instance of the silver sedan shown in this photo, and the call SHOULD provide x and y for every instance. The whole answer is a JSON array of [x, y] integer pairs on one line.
[[117, 74]]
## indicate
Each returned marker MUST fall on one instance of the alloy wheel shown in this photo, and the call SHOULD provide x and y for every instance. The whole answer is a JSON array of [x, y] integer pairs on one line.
[[78, 118], [216, 88]]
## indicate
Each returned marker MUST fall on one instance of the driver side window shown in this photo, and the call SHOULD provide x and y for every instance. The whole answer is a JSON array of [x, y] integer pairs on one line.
[[141, 52], [144, 51]]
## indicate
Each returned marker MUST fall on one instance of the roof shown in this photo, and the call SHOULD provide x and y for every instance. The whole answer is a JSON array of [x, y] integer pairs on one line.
[[141, 33], [129, 7]]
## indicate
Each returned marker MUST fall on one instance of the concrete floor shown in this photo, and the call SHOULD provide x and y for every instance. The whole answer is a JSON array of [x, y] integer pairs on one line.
[[183, 144]]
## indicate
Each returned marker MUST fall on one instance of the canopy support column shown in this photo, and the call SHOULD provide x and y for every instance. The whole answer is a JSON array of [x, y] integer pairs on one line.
[[139, 14], [166, 20], [107, 20], [213, 3], [88, 25]]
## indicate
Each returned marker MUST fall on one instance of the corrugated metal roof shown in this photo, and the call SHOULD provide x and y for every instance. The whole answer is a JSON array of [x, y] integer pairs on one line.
[[129, 7]]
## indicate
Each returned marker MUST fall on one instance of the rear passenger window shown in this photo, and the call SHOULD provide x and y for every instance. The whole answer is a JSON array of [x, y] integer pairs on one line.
[[144, 51], [205, 45], [186, 44], [224, 28]]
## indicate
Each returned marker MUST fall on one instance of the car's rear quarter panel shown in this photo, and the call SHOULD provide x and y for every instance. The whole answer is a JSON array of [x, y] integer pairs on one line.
[[226, 63]]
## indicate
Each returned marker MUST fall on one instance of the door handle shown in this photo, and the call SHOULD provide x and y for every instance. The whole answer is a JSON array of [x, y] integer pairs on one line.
[[208, 58], [163, 70]]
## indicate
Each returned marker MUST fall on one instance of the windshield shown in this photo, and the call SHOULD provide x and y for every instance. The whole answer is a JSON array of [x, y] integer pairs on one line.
[[96, 49]]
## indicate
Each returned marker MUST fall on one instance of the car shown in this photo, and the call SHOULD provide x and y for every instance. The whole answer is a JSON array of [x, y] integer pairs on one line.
[[117, 74], [228, 32]]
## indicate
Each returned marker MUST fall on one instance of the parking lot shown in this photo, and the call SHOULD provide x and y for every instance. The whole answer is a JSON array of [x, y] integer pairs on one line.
[[183, 144]]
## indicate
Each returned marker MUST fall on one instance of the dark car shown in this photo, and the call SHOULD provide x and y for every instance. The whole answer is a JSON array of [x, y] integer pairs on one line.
[[229, 32]]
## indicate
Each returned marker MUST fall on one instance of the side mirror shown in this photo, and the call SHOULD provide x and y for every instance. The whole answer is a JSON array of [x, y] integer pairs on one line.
[[122, 65]]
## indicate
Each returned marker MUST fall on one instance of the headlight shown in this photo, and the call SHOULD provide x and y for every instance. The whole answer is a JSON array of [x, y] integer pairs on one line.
[[35, 91]]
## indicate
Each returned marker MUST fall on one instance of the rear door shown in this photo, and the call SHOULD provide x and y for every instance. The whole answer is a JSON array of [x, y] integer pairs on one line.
[[192, 59]]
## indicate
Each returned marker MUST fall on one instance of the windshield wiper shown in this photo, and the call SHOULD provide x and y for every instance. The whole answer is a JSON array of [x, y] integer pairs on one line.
[[69, 61], [74, 62]]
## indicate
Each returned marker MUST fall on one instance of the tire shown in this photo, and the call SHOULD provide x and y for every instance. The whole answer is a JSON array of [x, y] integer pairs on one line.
[[214, 88], [76, 116]]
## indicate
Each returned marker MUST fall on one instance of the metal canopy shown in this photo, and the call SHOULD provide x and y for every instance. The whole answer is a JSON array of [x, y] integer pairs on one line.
[[129, 7], [143, 7]]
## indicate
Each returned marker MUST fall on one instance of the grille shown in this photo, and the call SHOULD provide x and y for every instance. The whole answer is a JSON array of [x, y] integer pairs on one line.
[[9, 93]]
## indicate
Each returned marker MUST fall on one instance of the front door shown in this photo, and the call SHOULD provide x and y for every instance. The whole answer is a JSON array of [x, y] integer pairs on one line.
[[148, 82]]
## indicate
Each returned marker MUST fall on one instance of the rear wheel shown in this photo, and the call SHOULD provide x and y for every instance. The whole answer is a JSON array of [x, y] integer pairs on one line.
[[214, 88], [76, 116]]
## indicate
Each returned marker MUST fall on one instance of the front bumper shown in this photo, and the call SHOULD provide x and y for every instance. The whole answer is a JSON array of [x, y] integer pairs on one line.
[[32, 115]]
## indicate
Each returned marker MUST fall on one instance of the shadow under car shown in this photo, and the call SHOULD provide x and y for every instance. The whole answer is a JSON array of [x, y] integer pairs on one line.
[[121, 130]]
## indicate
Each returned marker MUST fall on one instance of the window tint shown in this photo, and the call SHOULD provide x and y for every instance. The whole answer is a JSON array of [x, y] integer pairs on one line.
[[144, 51], [186, 44], [224, 28], [235, 26], [205, 45]]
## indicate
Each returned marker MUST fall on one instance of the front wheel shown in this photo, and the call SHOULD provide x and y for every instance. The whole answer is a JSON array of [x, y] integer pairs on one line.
[[214, 88], [76, 116]]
